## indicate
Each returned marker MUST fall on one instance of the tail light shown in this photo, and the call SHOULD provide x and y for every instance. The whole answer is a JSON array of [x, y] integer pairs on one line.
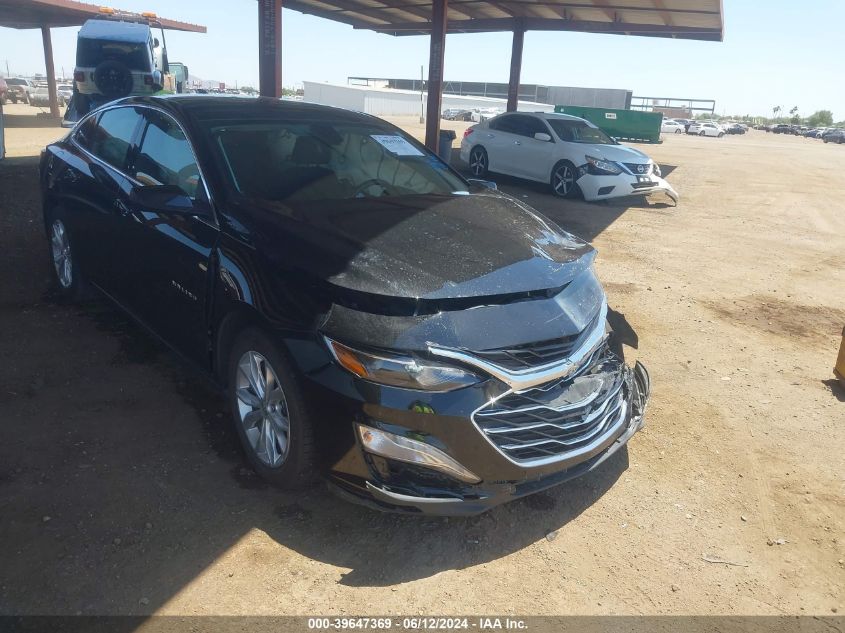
[[148, 80], [468, 131], [78, 75]]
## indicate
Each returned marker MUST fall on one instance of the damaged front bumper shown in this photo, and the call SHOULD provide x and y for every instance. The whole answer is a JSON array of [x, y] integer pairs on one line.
[[603, 187], [518, 443]]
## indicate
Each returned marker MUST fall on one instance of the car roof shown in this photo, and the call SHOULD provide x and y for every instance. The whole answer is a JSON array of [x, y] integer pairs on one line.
[[236, 108], [555, 116], [115, 31]]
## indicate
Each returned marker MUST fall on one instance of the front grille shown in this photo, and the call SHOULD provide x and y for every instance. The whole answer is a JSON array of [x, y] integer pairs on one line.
[[535, 354], [635, 168], [560, 416]]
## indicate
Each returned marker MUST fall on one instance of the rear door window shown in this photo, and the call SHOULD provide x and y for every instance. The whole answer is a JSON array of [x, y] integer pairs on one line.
[[165, 156], [111, 139]]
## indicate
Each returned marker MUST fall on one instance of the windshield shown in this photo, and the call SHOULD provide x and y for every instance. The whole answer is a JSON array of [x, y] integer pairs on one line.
[[325, 160], [579, 132], [16, 82], [89, 53]]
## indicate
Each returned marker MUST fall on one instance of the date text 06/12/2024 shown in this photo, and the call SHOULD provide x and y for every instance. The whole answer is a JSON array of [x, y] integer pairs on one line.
[[417, 624]]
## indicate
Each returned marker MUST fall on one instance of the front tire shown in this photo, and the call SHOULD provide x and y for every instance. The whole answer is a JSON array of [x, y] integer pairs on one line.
[[721, 134], [701, 133], [479, 163], [563, 180], [269, 412], [678, 131]]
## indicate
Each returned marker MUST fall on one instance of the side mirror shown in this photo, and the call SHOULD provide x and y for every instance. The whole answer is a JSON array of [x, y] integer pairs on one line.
[[168, 198], [485, 184], [156, 43], [542, 136]]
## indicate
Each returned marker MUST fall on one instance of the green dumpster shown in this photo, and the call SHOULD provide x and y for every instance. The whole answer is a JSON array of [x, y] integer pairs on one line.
[[628, 125]]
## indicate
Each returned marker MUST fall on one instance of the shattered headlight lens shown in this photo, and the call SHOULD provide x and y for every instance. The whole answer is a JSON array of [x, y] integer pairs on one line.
[[601, 166], [401, 371]]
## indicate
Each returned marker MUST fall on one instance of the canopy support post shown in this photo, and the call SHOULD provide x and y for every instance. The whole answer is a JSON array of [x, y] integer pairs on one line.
[[437, 49], [516, 68], [51, 71], [270, 48]]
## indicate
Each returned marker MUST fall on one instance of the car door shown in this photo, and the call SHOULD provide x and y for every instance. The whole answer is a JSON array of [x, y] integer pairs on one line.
[[534, 157], [92, 184], [166, 252], [498, 139]]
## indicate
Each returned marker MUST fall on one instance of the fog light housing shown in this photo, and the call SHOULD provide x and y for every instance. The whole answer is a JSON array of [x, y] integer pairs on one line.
[[404, 449]]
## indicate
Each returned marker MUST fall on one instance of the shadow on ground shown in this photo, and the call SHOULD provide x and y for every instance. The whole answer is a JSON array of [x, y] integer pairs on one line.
[[121, 480]]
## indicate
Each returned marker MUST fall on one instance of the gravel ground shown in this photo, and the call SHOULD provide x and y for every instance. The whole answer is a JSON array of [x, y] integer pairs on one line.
[[122, 490]]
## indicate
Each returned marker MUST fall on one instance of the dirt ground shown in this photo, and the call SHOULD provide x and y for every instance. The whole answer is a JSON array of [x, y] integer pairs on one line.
[[122, 490]]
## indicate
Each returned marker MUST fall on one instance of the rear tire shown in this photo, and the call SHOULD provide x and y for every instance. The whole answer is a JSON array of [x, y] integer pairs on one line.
[[479, 162], [66, 274], [563, 179], [269, 411], [678, 131], [701, 133]]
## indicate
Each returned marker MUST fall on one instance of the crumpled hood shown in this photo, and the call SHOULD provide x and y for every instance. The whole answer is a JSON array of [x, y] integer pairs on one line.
[[420, 247], [618, 153]]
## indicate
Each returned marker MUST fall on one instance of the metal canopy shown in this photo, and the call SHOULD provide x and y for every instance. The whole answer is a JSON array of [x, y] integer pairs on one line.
[[683, 19], [33, 14]]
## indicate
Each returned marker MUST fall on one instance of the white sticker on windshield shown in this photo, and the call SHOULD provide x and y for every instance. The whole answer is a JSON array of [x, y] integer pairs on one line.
[[396, 145]]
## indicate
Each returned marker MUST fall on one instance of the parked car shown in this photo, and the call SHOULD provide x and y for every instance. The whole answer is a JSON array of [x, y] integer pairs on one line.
[[782, 128], [834, 136], [569, 153], [457, 114], [736, 128], [40, 97], [479, 115], [670, 126], [65, 91], [19, 89], [432, 345], [706, 129], [4, 90]]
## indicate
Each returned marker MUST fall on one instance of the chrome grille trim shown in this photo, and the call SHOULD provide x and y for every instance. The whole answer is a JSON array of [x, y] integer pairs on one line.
[[520, 380], [563, 427], [621, 406], [559, 433]]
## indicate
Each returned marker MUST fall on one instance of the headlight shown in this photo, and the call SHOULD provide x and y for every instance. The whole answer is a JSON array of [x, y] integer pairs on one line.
[[401, 371], [600, 166], [657, 170]]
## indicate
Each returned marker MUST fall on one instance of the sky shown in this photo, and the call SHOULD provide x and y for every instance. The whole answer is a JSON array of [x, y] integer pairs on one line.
[[775, 52]]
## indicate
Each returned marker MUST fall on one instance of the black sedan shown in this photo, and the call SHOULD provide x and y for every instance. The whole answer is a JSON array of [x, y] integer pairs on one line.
[[834, 136], [427, 344]]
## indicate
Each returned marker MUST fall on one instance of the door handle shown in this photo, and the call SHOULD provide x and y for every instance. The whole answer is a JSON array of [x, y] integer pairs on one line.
[[517, 143], [121, 207]]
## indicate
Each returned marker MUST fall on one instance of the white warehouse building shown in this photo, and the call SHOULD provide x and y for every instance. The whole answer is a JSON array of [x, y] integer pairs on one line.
[[390, 102]]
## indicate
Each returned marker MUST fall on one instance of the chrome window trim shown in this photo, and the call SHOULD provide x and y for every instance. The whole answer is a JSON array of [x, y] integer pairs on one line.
[[522, 379], [100, 110]]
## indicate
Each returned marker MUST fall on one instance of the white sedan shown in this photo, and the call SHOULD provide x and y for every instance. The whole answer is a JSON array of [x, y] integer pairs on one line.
[[706, 129], [570, 154], [671, 126]]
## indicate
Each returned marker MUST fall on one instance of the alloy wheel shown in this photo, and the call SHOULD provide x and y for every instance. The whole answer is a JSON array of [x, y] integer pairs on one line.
[[563, 180], [62, 259], [263, 409], [478, 162]]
